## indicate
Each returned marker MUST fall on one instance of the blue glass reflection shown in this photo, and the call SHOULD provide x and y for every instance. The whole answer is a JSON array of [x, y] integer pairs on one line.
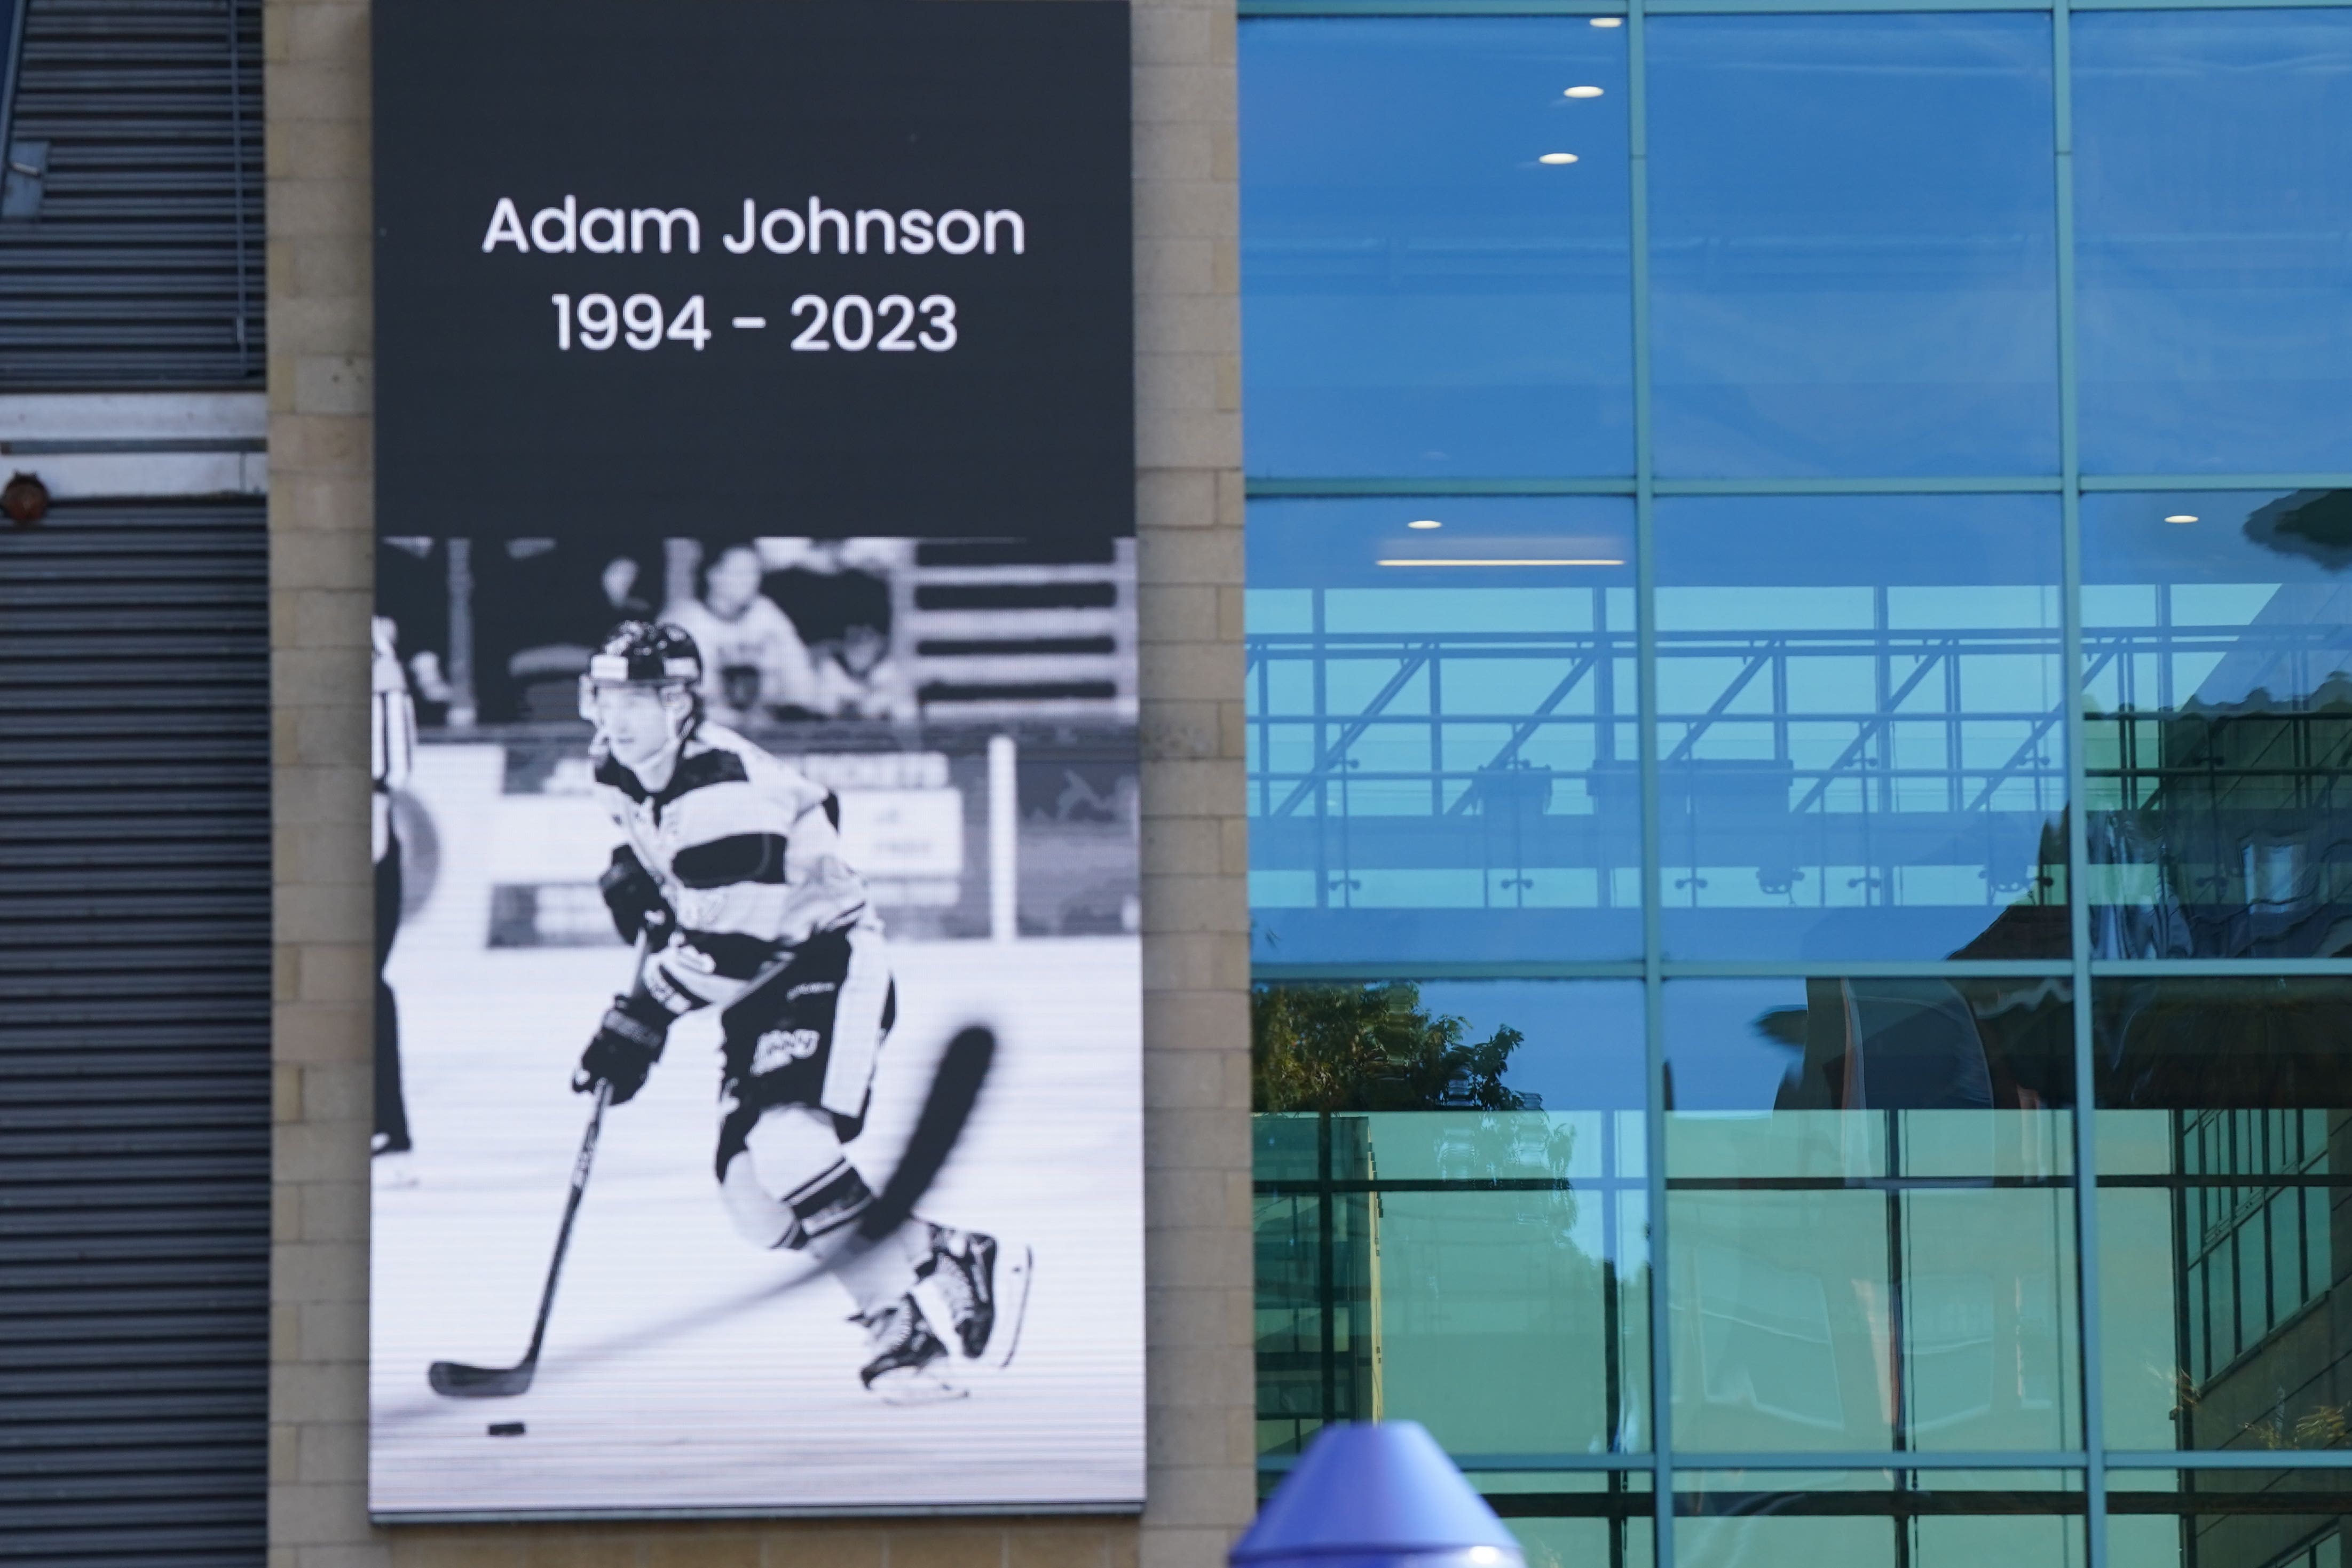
[[1582, 1047], [1422, 294], [1441, 757], [2216, 644], [2213, 194], [1854, 244], [1860, 736], [1908, 1043]]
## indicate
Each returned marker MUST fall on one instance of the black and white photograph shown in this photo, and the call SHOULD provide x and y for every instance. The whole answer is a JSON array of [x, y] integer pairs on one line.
[[758, 1094]]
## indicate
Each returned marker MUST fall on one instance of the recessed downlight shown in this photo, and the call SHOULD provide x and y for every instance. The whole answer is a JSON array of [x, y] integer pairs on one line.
[[2181, 517], [1557, 158], [1425, 523], [1608, 21], [1583, 92]]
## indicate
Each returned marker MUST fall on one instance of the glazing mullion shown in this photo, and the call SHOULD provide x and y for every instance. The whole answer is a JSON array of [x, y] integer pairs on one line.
[[2089, 1365], [1662, 1474]]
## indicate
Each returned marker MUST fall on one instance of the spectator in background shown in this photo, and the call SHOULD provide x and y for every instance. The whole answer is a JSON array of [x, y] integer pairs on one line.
[[753, 660], [837, 592], [857, 678], [412, 588]]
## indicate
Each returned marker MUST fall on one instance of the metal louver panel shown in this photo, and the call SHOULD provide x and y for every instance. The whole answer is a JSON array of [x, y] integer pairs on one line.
[[143, 266], [134, 1036]]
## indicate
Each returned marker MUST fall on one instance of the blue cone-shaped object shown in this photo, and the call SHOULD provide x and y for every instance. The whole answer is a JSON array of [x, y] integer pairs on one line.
[[1378, 1494]]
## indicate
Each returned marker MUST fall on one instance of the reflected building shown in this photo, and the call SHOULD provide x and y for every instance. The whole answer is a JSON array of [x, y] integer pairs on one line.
[[1860, 688]]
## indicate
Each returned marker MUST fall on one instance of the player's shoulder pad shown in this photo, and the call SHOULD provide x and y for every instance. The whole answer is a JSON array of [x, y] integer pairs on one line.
[[794, 791]]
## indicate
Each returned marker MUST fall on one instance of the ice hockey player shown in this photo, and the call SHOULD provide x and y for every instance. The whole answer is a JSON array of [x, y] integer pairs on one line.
[[730, 868]]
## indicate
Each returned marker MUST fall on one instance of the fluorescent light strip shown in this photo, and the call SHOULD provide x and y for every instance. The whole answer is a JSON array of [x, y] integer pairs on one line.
[[1437, 561]]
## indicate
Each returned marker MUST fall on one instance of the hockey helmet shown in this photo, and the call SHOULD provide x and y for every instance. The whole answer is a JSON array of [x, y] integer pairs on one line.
[[641, 653]]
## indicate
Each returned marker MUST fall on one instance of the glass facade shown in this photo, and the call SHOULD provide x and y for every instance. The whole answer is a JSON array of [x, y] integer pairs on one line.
[[1799, 669]]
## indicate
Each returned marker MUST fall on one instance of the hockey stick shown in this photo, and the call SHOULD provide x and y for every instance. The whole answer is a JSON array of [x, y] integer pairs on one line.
[[455, 1379], [955, 1090]]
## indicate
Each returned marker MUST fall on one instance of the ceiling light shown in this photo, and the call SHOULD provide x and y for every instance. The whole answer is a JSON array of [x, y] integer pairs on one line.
[[1432, 560], [1557, 158], [1584, 92], [1608, 21], [1425, 523], [2181, 517]]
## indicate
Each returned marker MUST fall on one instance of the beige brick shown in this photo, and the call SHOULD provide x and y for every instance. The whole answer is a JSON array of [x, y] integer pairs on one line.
[[1211, 555], [571, 1546], [305, 1511], [1041, 1546], [334, 1453], [326, 381], [307, 91], [312, 208], [1178, 94], [1178, 731], [450, 1548], [809, 1546], [1175, 497], [1203, 671], [697, 1549], [1203, 788], [1197, 1021], [946, 1547], [335, 35]]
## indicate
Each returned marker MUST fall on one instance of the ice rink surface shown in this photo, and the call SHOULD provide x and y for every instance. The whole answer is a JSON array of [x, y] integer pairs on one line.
[[683, 1368]]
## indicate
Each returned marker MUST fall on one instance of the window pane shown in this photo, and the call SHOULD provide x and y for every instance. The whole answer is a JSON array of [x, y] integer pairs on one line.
[[2218, 675], [2224, 1145], [1919, 1519], [1422, 294], [1844, 1279], [1621, 1539], [1452, 1215], [1441, 757], [1854, 253], [2213, 202], [2222, 1519], [1860, 732]]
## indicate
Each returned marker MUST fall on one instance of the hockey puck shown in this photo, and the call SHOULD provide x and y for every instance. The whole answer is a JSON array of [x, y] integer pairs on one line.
[[506, 1428]]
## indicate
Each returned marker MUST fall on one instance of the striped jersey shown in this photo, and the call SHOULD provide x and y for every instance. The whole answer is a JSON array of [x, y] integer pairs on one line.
[[747, 853]]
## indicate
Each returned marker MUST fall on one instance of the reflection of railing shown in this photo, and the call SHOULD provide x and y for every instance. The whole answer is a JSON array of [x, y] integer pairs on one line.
[[1930, 662], [1862, 750]]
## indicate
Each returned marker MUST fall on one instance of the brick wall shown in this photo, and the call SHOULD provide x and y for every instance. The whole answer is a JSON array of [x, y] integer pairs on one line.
[[1195, 905]]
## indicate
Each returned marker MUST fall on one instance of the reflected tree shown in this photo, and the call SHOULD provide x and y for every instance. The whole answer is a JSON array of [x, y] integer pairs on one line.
[[1372, 1047]]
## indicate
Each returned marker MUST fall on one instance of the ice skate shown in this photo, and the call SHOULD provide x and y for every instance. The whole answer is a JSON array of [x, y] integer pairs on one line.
[[906, 1367], [982, 1291]]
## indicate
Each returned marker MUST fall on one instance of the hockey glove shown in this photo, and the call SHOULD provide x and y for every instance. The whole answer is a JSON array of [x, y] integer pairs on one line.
[[635, 899], [626, 1045]]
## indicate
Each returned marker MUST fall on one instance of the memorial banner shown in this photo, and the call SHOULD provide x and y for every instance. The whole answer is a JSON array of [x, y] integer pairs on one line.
[[758, 1092]]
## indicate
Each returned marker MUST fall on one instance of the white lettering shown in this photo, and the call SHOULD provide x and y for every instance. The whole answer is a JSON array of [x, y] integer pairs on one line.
[[889, 230], [915, 232], [970, 241], [506, 228], [614, 220], [767, 231], [568, 215], [751, 231], [819, 215], [644, 215], [1020, 230]]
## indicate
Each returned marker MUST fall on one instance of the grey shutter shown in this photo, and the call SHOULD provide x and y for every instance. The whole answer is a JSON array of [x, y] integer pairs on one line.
[[134, 1035], [142, 263]]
